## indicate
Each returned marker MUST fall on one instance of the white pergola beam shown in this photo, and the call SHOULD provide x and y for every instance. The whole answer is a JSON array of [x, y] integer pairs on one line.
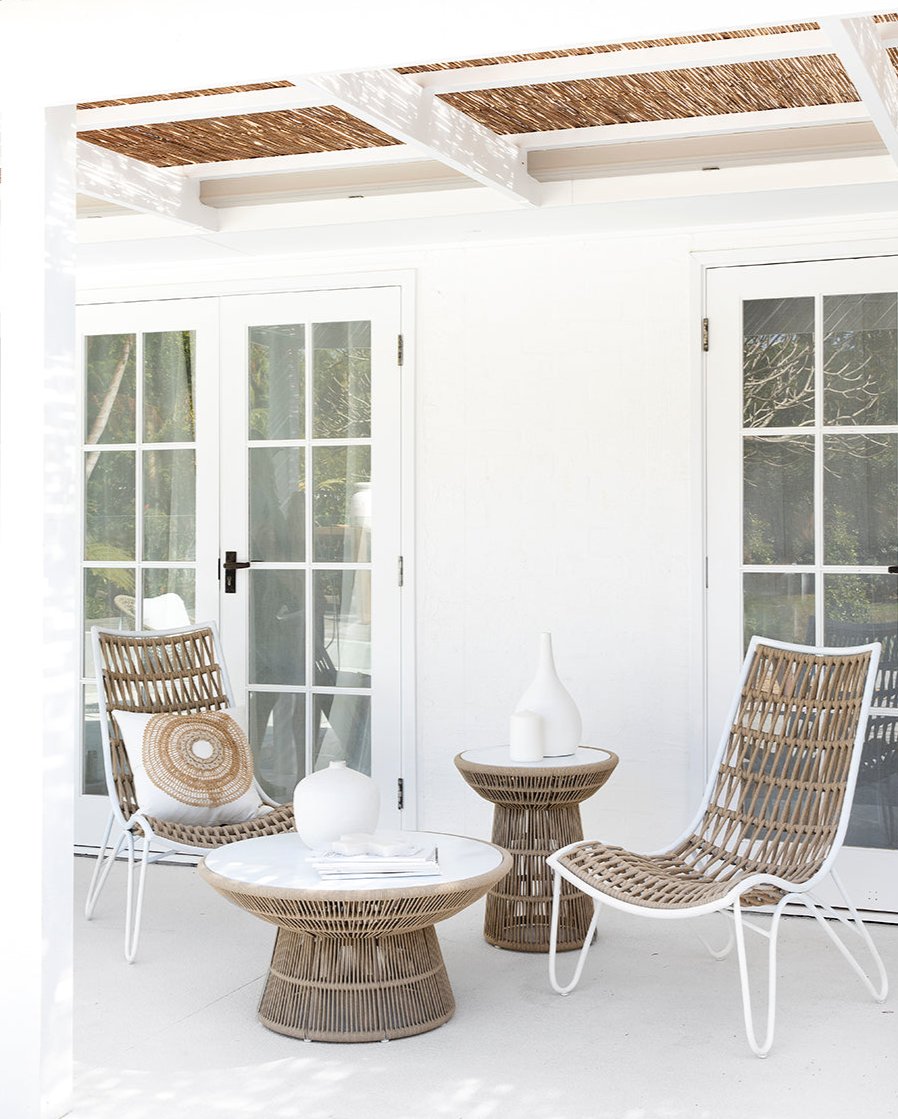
[[138, 186], [867, 63], [398, 106], [310, 161], [209, 107], [684, 128], [640, 60]]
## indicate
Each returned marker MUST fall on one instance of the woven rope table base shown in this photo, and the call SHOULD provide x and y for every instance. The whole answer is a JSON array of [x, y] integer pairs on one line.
[[346, 990], [519, 908], [536, 811]]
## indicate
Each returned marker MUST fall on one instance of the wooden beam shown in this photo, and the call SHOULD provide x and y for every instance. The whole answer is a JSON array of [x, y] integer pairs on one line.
[[640, 60], [867, 63], [138, 186], [307, 161], [210, 107], [397, 105], [687, 127]]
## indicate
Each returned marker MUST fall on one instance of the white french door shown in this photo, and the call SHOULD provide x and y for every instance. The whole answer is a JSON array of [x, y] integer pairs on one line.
[[802, 500], [268, 426], [311, 483]]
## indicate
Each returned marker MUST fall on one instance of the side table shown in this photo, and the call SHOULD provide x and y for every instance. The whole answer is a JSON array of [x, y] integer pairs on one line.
[[354, 959], [536, 812]]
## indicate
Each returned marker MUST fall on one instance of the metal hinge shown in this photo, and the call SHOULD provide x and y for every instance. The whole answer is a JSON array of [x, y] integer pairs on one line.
[[705, 335], [400, 572], [400, 793], [400, 350]]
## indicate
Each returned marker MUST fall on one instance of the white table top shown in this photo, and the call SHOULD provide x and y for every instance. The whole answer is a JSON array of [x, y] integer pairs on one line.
[[500, 756], [280, 862]]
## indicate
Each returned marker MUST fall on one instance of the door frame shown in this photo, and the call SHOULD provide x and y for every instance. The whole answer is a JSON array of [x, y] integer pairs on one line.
[[863, 868], [280, 280]]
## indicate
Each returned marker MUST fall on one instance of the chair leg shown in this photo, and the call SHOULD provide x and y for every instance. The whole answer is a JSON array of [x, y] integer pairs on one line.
[[106, 857], [553, 940], [134, 905], [762, 1049], [720, 953], [854, 923]]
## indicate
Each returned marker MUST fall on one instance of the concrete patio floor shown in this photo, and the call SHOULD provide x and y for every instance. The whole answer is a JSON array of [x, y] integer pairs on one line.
[[654, 1030]]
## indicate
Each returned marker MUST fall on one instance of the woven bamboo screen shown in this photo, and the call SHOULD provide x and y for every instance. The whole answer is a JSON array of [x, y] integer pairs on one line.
[[286, 132], [740, 88]]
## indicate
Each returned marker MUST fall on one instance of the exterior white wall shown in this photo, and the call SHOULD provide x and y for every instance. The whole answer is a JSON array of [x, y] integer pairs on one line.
[[554, 492]]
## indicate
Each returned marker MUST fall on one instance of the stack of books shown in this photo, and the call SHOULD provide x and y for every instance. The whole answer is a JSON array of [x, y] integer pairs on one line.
[[373, 856]]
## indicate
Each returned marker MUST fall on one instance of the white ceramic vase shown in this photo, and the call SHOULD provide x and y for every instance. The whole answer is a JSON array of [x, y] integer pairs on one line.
[[551, 700], [333, 802]]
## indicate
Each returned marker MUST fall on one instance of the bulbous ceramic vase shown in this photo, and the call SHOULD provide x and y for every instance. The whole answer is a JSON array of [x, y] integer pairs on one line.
[[333, 802]]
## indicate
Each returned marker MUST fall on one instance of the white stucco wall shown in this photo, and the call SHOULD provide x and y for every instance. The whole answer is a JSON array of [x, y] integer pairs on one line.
[[555, 491]]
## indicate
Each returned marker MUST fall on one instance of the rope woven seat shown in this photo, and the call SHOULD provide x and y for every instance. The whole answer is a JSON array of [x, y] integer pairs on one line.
[[180, 672], [660, 881], [772, 821]]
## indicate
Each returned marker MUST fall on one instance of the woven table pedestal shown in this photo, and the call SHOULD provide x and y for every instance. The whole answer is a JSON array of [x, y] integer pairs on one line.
[[354, 961], [536, 811]]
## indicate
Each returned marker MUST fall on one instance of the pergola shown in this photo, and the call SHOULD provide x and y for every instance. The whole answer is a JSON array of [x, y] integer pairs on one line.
[[312, 108]]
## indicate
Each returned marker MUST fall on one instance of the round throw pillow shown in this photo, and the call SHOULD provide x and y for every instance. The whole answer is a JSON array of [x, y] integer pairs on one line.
[[191, 769]]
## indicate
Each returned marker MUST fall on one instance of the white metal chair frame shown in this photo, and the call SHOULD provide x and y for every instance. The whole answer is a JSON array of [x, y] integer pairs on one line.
[[135, 827], [732, 903]]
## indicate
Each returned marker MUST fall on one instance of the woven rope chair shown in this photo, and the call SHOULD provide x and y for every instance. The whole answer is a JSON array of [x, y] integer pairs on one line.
[[178, 671], [772, 821]]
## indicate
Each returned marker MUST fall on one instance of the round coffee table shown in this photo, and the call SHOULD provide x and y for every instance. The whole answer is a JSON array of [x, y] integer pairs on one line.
[[355, 960], [537, 810]]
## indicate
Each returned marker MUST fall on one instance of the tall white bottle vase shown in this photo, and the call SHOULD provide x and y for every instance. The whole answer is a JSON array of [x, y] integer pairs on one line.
[[550, 699]]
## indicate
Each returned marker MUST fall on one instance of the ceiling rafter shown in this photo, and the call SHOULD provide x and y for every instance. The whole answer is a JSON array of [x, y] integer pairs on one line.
[[204, 107], [683, 128], [137, 186], [397, 105], [867, 63]]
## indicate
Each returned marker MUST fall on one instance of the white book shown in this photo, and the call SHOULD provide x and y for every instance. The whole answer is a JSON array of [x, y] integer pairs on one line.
[[421, 861]]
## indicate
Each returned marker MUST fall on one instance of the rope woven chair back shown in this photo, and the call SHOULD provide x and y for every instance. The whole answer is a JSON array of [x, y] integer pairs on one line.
[[174, 673], [785, 774]]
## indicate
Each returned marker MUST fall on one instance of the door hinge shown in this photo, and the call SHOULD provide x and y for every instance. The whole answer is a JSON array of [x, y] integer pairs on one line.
[[400, 349], [400, 571], [705, 335], [400, 793]]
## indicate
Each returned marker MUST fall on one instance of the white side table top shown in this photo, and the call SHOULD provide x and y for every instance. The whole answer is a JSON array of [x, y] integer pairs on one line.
[[500, 756], [280, 862]]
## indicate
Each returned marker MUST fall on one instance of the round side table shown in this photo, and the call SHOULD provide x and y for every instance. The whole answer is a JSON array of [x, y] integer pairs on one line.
[[536, 812]]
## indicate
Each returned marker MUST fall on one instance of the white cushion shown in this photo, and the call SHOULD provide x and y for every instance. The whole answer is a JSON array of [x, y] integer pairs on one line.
[[191, 769], [165, 611]]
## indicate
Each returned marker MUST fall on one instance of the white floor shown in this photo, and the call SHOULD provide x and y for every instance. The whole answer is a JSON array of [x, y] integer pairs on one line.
[[653, 1032]]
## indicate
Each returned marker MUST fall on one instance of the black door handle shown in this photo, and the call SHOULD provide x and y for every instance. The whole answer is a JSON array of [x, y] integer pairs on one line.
[[230, 567]]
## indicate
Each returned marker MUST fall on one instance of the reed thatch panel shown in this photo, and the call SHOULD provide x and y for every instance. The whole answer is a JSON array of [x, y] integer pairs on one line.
[[186, 93], [606, 48], [287, 132], [742, 88]]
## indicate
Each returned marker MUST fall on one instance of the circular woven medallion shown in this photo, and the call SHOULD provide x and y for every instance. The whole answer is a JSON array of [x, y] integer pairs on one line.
[[202, 760]]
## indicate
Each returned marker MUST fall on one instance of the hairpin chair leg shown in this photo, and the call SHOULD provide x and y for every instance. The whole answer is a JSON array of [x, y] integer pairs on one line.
[[553, 939], [721, 953], [134, 905], [853, 923], [763, 1048], [106, 857]]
